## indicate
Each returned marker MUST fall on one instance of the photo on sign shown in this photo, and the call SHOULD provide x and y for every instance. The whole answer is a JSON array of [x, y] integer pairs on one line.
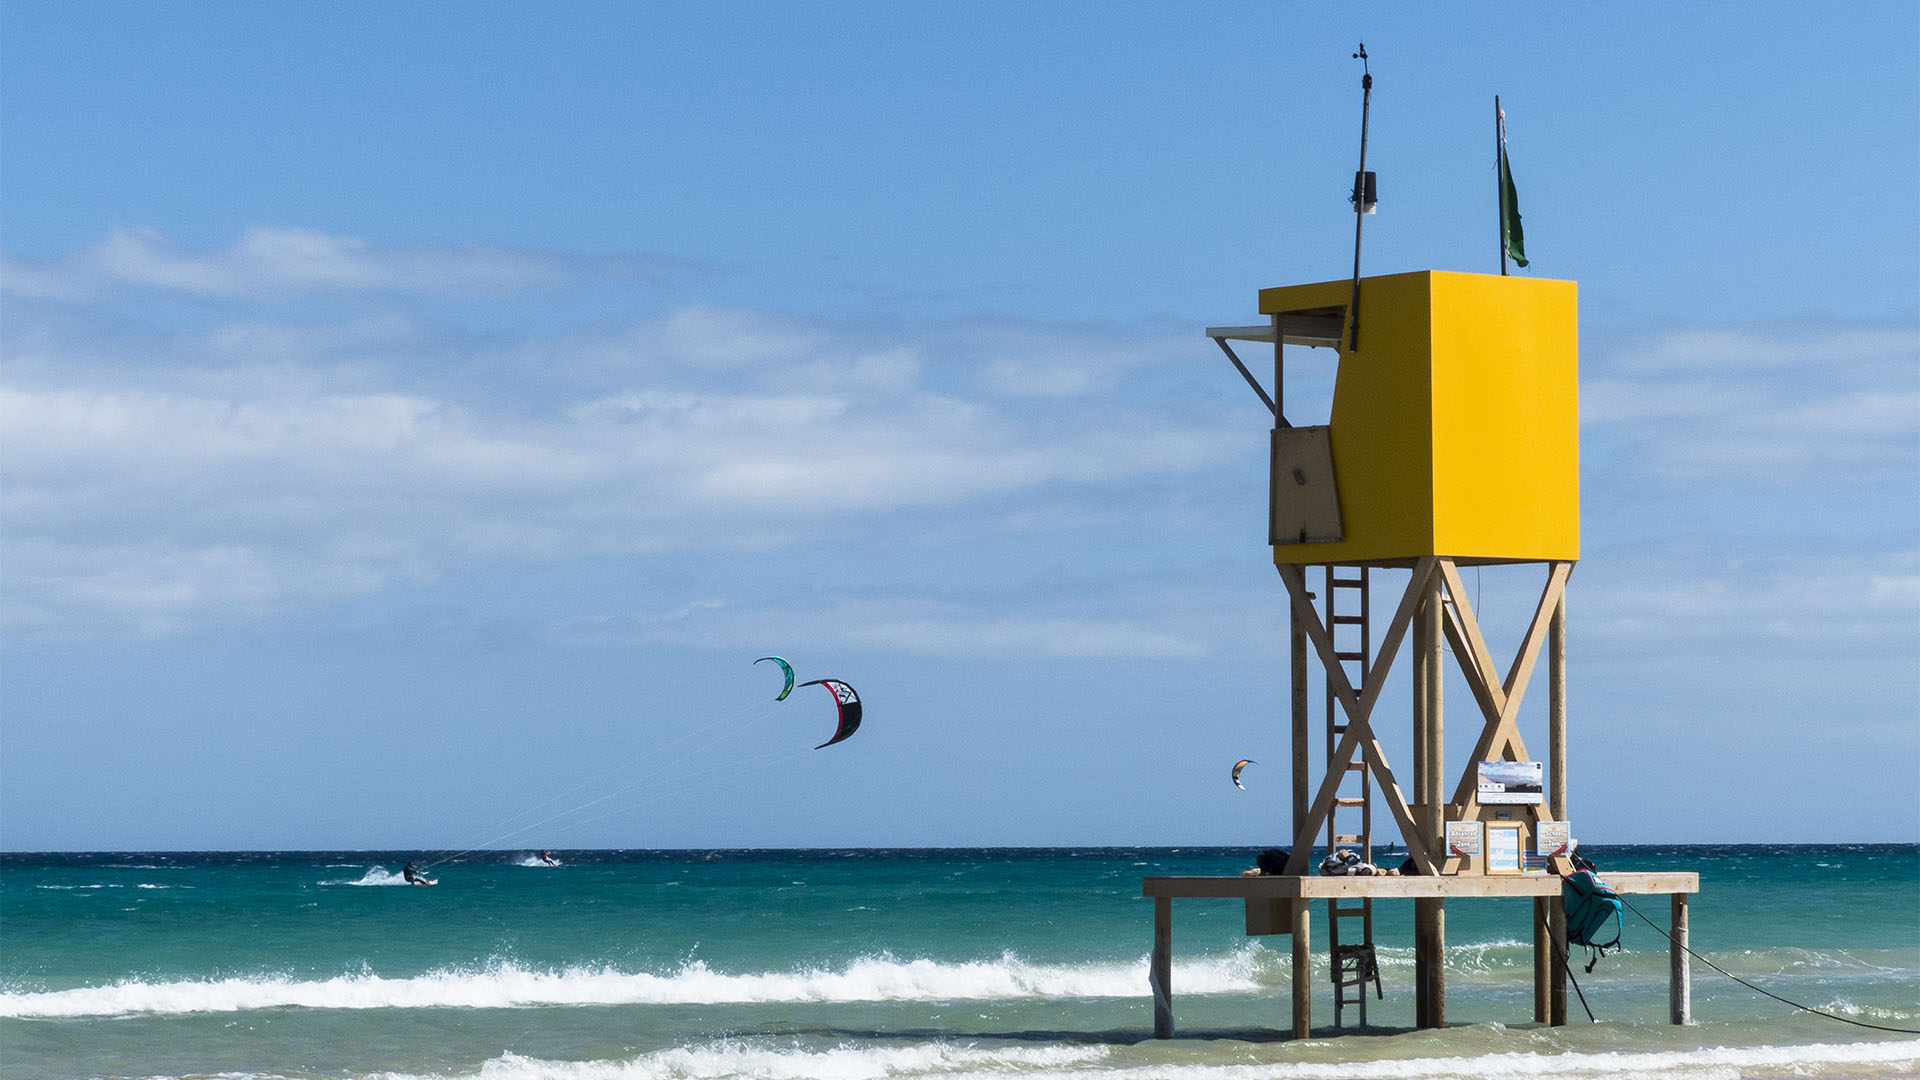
[[1510, 783]]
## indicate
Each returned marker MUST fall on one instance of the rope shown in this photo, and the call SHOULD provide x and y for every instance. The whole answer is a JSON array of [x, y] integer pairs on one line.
[[1758, 990], [1566, 965], [659, 768], [708, 778]]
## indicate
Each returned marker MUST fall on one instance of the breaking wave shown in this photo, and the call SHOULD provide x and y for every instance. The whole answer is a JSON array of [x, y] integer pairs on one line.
[[745, 1058], [509, 985], [775, 1060]]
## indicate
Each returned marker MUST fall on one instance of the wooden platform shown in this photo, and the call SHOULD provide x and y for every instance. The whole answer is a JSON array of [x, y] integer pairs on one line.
[[1275, 887], [1279, 904]]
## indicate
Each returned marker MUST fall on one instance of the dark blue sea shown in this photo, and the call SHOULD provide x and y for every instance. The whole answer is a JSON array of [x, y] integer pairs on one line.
[[634, 965]]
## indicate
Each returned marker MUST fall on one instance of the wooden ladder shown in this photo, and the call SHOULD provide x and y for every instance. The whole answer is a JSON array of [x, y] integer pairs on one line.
[[1347, 618]]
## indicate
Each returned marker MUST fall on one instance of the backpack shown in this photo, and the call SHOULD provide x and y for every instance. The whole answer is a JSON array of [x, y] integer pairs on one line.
[[1590, 906]]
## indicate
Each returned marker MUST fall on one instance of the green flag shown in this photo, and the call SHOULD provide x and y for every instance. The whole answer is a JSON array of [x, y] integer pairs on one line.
[[1511, 237]]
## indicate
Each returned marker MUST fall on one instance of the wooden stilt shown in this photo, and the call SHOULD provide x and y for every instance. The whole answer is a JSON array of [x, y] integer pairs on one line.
[[1422, 783], [1434, 793], [1680, 984], [1429, 916], [1557, 708], [1302, 973], [1557, 985], [1430, 960], [1542, 968], [1160, 968], [1420, 962]]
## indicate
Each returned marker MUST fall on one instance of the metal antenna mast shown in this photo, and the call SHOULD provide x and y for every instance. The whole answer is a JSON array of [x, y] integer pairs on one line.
[[1363, 198]]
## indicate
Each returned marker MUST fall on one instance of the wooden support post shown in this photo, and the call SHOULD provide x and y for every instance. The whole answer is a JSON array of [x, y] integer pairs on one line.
[[1297, 664], [1419, 965], [1434, 793], [1422, 655], [1542, 966], [1430, 960], [1429, 916], [1679, 984], [1557, 984], [1557, 708], [1302, 973], [1160, 968]]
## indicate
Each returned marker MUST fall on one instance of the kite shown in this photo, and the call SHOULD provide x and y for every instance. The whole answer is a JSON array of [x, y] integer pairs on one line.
[[788, 669], [849, 703], [1237, 766]]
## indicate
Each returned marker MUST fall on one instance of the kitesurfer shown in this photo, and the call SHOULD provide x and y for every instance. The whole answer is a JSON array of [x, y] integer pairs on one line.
[[415, 876], [547, 857]]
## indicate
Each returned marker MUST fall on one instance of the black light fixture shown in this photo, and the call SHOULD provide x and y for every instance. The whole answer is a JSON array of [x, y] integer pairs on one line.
[[1364, 193]]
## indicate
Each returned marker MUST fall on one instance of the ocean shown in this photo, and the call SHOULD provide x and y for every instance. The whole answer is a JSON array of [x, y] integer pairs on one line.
[[855, 964]]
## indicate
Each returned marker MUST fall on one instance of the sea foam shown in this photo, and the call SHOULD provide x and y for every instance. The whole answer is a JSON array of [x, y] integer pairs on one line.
[[375, 875], [776, 1060], [949, 1061], [510, 985]]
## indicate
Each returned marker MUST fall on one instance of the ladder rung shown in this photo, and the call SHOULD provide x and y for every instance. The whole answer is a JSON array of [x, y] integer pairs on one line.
[[1349, 802], [1348, 620], [1356, 766]]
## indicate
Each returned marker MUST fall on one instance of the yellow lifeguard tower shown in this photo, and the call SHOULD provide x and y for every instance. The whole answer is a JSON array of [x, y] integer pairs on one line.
[[1453, 441]]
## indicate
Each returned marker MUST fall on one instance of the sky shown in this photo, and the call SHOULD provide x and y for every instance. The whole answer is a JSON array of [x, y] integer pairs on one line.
[[415, 421]]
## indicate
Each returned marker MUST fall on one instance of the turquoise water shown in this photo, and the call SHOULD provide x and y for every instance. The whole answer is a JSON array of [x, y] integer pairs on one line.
[[943, 963]]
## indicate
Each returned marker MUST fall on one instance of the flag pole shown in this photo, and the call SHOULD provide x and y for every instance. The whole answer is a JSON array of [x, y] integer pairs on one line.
[[1500, 181]]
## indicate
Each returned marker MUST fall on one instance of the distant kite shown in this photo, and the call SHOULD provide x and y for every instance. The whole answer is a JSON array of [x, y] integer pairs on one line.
[[1237, 766], [785, 667], [849, 703]]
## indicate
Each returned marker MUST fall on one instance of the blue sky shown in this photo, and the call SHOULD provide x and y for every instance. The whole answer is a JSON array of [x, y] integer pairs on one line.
[[414, 422]]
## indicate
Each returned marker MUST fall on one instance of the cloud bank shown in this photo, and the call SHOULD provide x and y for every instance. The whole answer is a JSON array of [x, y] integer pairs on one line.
[[172, 476], [237, 462]]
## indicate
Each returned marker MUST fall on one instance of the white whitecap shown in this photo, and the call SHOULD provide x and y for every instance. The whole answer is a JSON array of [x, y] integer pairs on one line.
[[508, 985]]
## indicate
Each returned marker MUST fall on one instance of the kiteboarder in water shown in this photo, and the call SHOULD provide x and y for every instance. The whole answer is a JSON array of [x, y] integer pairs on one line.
[[415, 876], [547, 857]]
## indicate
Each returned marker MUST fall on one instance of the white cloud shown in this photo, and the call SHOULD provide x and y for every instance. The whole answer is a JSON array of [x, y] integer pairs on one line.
[[226, 471], [1685, 597], [1777, 408], [1110, 621], [1723, 351], [1029, 360], [268, 261]]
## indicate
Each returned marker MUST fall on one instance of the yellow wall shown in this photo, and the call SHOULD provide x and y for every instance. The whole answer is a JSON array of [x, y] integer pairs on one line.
[[1506, 417], [1455, 426]]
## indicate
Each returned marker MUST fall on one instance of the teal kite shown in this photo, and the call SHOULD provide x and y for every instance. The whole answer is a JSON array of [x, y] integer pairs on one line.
[[788, 670]]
